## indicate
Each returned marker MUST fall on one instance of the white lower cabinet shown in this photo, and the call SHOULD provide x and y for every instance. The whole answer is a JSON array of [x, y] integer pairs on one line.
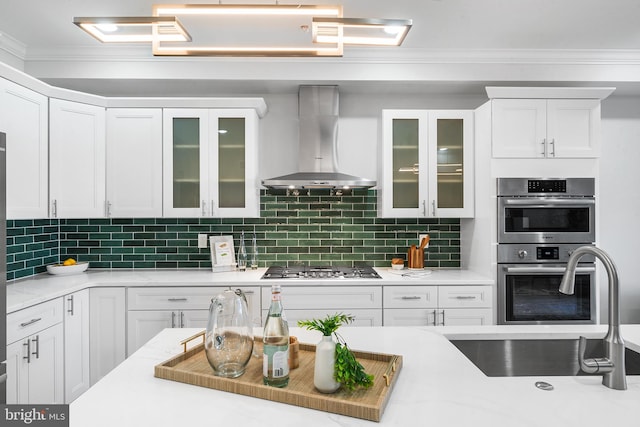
[[152, 309], [76, 345], [310, 302], [107, 338], [438, 305], [35, 355]]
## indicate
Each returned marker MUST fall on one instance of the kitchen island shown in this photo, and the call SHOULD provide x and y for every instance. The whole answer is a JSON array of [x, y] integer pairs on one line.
[[437, 385]]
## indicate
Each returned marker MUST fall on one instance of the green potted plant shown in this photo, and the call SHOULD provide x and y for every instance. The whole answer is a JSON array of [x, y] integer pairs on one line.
[[335, 363]]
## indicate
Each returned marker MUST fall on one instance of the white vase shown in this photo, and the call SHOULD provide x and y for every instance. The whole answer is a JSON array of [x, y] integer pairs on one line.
[[324, 367]]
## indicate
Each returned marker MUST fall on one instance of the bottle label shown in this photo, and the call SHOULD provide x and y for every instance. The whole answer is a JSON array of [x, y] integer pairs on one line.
[[278, 357]]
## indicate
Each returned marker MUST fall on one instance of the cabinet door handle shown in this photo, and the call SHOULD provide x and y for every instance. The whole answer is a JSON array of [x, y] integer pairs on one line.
[[544, 147], [176, 299], [70, 310], [37, 341], [433, 207], [204, 208], [28, 356], [182, 319], [410, 297], [442, 312], [30, 322], [248, 292], [424, 208], [465, 297], [211, 207], [173, 319], [54, 208], [435, 318], [553, 147], [107, 208]]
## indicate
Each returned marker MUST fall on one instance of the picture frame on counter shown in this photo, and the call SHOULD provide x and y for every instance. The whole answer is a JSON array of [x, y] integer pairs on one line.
[[223, 256]]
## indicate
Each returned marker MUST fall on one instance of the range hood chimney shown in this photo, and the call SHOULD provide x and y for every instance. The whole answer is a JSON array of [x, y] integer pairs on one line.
[[318, 154]]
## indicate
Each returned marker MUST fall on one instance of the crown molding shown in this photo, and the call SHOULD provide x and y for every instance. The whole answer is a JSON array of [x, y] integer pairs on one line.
[[400, 55], [12, 46]]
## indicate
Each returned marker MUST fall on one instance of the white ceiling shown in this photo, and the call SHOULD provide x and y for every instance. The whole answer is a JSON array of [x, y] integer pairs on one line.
[[454, 46]]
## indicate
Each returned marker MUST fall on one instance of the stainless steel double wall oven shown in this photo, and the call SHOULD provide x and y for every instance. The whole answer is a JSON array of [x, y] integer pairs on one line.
[[540, 223]]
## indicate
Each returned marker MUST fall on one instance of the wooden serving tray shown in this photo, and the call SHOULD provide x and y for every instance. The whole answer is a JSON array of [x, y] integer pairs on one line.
[[192, 367]]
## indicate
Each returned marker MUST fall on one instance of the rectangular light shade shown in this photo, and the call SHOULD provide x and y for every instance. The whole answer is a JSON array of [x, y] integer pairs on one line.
[[300, 16], [130, 29], [360, 31]]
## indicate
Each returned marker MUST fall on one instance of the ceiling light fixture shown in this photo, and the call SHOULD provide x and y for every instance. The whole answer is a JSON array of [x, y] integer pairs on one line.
[[130, 29], [247, 30], [360, 31]]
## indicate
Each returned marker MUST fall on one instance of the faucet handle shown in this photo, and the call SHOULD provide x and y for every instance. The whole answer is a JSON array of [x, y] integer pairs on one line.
[[600, 365]]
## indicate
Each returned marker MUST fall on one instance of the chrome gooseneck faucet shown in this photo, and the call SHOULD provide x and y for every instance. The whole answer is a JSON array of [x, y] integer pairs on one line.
[[612, 365]]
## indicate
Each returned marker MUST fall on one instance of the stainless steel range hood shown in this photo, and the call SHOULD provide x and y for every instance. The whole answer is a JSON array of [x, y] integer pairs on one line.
[[318, 154]]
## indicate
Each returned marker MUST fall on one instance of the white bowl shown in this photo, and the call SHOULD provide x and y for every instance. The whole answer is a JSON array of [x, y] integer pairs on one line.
[[63, 270], [397, 266]]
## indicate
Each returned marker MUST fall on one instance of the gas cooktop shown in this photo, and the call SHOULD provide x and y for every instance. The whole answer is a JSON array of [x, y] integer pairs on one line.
[[310, 272]]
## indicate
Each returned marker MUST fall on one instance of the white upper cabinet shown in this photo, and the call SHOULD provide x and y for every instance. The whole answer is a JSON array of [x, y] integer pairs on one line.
[[134, 162], [427, 164], [210, 163], [546, 128], [77, 160], [24, 117]]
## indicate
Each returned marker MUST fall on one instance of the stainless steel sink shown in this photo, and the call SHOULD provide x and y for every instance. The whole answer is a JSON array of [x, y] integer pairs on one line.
[[519, 358]]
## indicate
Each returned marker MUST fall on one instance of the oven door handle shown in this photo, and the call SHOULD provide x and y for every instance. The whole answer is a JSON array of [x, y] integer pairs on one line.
[[549, 202], [543, 270]]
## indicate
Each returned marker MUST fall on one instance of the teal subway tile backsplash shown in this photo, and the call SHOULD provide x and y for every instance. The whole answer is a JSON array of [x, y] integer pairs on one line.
[[318, 229], [31, 245]]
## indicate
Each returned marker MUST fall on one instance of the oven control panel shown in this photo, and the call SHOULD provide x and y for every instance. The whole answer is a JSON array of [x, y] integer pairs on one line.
[[547, 186], [538, 253]]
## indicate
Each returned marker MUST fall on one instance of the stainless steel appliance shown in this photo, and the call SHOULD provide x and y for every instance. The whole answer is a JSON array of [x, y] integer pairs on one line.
[[318, 145], [532, 210], [529, 277], [320, 272], [3, 269], [540, 223]]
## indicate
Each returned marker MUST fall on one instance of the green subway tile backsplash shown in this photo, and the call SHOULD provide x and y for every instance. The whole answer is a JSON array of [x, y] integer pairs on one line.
[[318, 229]]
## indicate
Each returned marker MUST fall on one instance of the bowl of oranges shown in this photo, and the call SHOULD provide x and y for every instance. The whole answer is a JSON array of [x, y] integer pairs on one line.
[[68, 266]]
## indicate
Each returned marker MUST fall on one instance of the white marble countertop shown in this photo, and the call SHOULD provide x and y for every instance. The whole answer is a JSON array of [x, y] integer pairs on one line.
[[437, 385], [27, 292]]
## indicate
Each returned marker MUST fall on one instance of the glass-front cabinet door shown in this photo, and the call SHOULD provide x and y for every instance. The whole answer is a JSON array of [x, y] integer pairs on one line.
[[403, 188], [234, 163], [210, 163], [185, 159], [427, 164], [450, 138]]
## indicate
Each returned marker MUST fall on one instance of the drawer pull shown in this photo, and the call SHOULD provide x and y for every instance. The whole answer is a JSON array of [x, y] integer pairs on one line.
[[176, 299], [465, 297], [30, 322], [410, 297]]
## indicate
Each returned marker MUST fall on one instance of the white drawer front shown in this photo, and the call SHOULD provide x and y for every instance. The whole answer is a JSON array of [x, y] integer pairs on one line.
[[174, 298], [33, 319], [409, 317], [465, 296], [363, 317], [410, 296], [334, 298]]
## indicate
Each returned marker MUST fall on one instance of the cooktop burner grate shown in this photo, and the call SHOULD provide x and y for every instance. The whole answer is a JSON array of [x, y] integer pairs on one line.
[[311, 272]]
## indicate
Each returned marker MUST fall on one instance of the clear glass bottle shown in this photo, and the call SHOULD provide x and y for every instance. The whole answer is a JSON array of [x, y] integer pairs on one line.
[[254, 253], [275, 362], [242, 254]]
